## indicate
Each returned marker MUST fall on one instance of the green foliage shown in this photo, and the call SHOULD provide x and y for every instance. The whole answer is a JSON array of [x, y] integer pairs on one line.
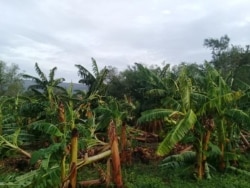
[[238, 171], [32, 109], [217, 45], [177, 133], [241, 79], [237, 115], [11, 140], [87, 135], [45, 88], [47, 178], [24, 180], [213, 151], [232, 61], [45, 153], [88, 78], [10, 80], [185, 90], [35, 178], [119, 111], [94, 82], [13, 135], [46, 127], [178, 160], [155, 114]]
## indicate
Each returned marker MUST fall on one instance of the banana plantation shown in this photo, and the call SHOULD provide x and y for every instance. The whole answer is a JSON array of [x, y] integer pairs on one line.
[[160, 126]]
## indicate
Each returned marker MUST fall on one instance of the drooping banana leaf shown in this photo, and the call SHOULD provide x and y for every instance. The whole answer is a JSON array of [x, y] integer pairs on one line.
[[155, 114], [177, 133], [46, 128]]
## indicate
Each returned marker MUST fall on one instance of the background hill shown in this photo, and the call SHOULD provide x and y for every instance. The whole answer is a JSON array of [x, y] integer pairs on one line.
[[76, 86]]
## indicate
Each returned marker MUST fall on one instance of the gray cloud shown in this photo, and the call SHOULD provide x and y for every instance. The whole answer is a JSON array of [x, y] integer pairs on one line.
[[118, 33]]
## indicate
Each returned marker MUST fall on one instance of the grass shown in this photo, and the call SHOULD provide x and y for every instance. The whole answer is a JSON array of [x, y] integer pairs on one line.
[[150, 175]]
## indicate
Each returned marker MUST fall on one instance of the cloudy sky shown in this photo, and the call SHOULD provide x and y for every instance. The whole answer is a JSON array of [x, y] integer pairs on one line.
[[63, 33]]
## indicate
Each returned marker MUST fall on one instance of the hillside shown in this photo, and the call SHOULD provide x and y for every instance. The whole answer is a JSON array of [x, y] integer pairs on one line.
[[76, 86]]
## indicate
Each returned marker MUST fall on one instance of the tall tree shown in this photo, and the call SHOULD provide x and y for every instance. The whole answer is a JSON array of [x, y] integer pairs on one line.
[[10, 80], [115, 83], [217, 45], [231, 61]]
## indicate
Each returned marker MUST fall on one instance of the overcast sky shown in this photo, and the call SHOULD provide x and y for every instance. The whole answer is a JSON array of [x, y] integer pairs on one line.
[[119, 33]]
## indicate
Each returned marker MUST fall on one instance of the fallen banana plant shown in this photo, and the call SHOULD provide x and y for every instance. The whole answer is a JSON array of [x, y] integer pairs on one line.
[[11, 142], [92, 159]]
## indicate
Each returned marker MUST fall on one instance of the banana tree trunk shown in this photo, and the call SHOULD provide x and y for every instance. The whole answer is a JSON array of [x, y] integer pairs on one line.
[[1, 123], [63, 168], [203, 140], [199, 159], [204, 156], [108, 176], [206, 139], [116, 165], [50, 97], [222, 163], [209, 125], [123, 143], [62, 120], [221, 139], [74, 151], [61, 113]]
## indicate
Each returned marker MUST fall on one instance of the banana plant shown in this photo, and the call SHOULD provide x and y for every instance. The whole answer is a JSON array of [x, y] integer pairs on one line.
[[180, 113], [221, 106], [182, 116], [11, 142], [46, 88], [76, 108], [95, 81]]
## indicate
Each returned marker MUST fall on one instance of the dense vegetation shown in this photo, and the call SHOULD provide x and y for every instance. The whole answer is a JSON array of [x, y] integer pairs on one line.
[[151, 126]]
